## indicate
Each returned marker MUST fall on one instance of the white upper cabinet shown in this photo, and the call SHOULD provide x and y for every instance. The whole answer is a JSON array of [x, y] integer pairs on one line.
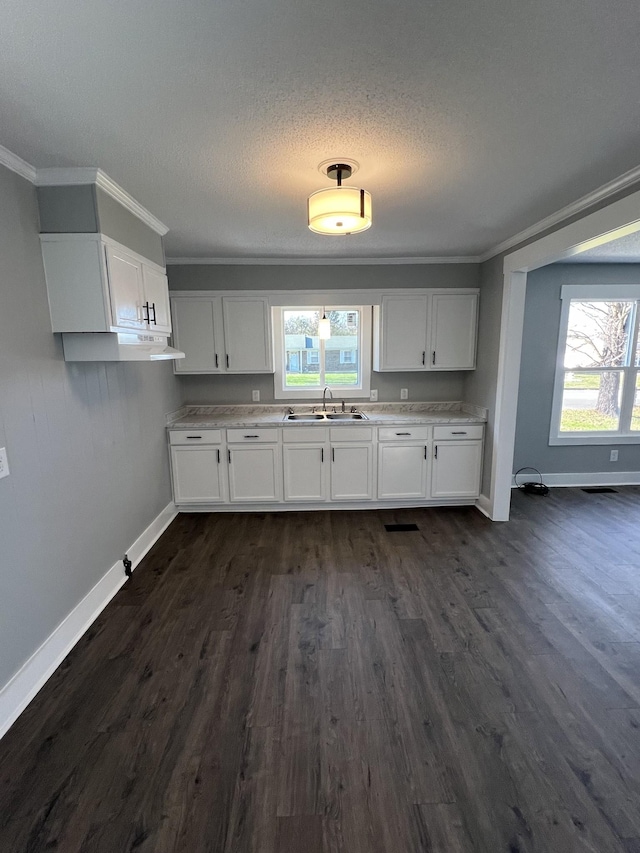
[[195, 333], [432, 331], [97, 285], [223, 334], [247, 334], [156, 293], [400, 333], [125, 287], [454, 317]]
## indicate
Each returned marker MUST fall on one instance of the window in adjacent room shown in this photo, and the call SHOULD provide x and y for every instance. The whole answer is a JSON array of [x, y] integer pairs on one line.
[[597, 388], [305, 363]]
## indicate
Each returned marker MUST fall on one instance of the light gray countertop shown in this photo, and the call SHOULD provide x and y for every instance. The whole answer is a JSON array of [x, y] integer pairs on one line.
[[382, 414]]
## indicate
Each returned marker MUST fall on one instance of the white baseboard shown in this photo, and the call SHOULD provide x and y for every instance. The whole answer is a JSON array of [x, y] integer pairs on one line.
[[484, 505], [23, 686], [599, 478]]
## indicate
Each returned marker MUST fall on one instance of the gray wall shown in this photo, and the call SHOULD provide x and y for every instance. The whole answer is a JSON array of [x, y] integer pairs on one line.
[[237, 389], [480, 384], [88, 209], [120, 224], [537, 373], [319, 276], [86, 446], [68, 210]]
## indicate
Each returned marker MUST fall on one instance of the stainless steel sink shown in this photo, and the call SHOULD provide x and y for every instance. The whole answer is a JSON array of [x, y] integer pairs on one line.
[[327, 416], [308, 417]]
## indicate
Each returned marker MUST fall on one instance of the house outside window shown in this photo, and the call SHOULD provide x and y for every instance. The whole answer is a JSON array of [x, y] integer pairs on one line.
[[597, 386], [305, 363]]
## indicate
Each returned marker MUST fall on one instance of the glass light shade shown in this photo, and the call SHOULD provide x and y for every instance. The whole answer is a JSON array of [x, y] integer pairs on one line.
[[336, 210], [324, 328]]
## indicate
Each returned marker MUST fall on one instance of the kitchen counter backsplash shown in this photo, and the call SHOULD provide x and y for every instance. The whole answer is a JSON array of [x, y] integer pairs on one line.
[[194, 417]]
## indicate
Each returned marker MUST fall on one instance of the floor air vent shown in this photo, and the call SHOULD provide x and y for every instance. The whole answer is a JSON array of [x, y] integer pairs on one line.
[[400, 528], [598, 490]]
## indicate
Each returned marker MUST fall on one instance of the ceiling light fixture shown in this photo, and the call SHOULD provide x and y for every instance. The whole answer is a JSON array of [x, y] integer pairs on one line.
[[339, 209]]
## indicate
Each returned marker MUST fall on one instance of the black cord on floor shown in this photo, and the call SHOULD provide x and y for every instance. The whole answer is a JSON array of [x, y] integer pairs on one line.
[[531, 488]]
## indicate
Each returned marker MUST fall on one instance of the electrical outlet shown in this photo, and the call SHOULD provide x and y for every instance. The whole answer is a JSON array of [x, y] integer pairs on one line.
[[4, 463], [373, 395], [255, 396], [404, 393], [613, 456]]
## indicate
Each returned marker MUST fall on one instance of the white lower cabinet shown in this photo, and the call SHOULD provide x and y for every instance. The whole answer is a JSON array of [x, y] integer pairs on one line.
[[316, 465], [198, 470], [305, 460], [457, 462], [255, 465], [352, 463], [402, 470]]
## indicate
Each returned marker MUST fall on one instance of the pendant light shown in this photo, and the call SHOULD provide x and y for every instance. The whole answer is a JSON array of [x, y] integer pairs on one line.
[[339, 209], [324, 327]]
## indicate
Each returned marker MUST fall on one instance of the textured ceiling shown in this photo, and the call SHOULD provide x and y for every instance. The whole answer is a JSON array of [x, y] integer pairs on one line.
[[624, 250], [471, 120]]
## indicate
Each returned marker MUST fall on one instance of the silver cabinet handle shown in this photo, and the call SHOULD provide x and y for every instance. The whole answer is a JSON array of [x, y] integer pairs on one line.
[[403, 433], [435, 451], [216, 359], [433, 357], [425, 451], [218, 456], [251, 436], [322, 454], [194, 436], [424, 355], [461, 432]]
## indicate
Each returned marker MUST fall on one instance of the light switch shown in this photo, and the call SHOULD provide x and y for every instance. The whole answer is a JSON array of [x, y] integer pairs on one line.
[[255, 396], [404, 393], [4, 463]]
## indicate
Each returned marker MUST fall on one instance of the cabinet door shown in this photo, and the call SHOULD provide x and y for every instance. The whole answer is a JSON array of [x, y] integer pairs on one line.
[[352, 472], [194, 332], [247, 335], [156, 293], [198, 474], [255, 473], [453, 331], [402, 470], [456, 469], [304, 472], [125, 288], [403, 337]]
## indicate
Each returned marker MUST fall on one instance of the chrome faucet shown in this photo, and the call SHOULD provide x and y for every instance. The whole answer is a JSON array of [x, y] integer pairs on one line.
[[343, 408], [324, 398]]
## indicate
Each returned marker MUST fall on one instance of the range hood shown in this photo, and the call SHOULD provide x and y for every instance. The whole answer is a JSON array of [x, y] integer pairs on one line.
[[116, 346]]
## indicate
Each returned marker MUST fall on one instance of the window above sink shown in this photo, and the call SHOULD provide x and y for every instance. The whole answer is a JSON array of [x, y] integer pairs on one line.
[[305, 363]]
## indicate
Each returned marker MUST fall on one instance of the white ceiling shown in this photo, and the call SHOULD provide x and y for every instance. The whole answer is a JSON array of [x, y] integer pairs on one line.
[[471, 120]]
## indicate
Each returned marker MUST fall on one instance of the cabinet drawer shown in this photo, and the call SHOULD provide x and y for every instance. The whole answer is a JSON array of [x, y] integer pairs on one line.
[[351, 433], [458, 431], [195, 436], [251, 435], [303, 435], [422, 433]]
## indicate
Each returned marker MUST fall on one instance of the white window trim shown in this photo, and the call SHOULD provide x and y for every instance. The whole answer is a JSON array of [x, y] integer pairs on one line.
[[280, 392], [592, 293]]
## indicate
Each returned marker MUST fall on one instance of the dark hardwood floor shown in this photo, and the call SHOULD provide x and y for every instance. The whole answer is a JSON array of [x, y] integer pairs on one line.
[[311, 683]]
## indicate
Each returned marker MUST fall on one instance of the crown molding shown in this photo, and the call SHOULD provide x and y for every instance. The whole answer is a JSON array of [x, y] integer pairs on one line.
[[289, 261], [604, 192], [17, 164], [55, 177]]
